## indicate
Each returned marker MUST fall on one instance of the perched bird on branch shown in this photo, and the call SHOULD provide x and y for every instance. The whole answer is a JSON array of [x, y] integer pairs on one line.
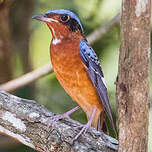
[[77, 68]]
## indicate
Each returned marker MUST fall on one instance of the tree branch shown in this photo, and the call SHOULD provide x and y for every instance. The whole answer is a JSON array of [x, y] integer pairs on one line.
[[25, 121], [46, 69], [96, 35], [27, 78]]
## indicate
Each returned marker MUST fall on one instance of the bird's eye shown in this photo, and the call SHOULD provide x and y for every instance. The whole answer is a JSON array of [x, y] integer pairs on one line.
[[65, 18]]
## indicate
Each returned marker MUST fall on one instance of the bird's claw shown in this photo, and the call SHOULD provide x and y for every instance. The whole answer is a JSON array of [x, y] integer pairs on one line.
[[57, 118], [83, 130], [61, 116], [79, 126], [86, 126]]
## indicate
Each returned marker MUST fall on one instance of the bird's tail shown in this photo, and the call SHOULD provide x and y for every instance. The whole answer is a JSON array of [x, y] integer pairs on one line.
[[101, 123], [103, 126]]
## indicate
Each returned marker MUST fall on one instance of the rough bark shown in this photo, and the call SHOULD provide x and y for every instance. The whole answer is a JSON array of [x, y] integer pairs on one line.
[[133, 76], [5, 43], [25, 121]]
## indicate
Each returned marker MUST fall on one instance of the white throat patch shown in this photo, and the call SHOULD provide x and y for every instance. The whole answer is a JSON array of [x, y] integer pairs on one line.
[[56, 41]]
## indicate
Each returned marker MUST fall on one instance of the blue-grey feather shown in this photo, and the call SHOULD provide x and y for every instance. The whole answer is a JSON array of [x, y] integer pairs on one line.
[[95, 73]]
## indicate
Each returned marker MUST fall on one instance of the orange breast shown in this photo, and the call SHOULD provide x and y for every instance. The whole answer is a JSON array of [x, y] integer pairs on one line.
[[72, 75]]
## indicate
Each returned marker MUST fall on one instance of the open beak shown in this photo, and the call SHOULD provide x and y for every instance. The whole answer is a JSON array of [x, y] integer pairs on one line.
[[43, 18]]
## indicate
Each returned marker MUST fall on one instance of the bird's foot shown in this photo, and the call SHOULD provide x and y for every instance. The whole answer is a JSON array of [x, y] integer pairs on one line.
[[84, 129], [86, 126], [62, 116]]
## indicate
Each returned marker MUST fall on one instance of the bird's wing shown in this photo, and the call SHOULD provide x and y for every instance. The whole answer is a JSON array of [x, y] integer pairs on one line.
[[95, 73]]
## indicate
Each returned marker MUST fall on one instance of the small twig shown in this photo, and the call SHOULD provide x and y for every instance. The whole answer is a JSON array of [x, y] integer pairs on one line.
[[46, 69], [25, 121], [27, 78], [96, 35]]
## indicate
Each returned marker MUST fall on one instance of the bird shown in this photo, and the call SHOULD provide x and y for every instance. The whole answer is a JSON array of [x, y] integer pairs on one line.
[[77, 68]]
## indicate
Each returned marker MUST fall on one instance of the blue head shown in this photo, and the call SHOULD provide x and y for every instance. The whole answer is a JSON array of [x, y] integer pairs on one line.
[[72, 16], [61, 20]]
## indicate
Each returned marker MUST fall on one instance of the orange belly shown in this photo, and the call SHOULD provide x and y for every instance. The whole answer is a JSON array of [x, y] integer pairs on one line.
[[72, 75]]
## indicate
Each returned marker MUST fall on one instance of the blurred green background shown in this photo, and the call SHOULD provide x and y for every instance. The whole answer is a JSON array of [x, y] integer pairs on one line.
[[28, 48]]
